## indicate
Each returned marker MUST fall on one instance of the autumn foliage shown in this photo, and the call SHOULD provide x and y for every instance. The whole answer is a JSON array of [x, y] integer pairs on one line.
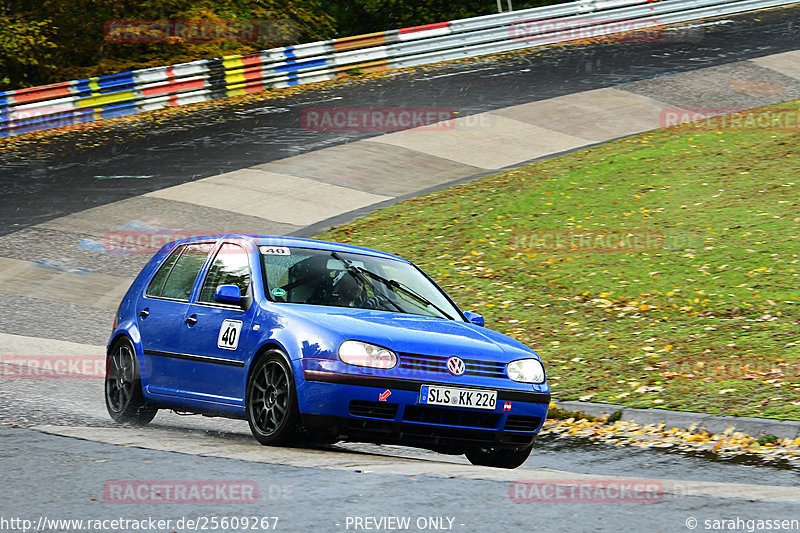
[[56, 40]]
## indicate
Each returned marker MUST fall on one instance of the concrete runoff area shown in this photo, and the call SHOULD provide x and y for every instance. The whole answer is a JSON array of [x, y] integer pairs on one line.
[[598, 115], [271, 195], [143, 214], [38, 280], [486, 140], [20, 345], [374, 167], [787, 63], [721, 89]]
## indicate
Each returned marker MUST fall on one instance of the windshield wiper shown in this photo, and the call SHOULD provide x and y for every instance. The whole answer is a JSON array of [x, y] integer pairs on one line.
[[416, 296], [359, 274], [393, 283]]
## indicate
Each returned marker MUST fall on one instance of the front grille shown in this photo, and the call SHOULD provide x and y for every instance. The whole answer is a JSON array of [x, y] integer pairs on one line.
[[438, 363], [450, 417], [373, 409], [522, 423]]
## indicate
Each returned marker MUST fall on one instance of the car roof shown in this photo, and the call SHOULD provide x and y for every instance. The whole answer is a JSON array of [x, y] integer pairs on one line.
[[296, 242]]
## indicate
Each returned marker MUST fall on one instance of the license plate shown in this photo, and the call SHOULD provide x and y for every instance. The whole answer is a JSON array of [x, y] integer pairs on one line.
[[455, 397]]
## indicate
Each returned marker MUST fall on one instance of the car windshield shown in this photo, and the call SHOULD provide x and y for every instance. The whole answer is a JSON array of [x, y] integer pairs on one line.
[[321, 277]]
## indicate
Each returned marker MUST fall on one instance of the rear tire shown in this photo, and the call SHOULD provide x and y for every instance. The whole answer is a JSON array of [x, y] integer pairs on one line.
[[123, 388], [499, 457], [272, 400]]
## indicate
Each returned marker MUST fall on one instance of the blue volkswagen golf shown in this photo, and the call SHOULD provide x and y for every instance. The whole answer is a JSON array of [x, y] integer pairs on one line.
[[317, 340]]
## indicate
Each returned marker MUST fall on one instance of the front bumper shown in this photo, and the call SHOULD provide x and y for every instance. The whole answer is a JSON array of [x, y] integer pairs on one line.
[[387, 410]]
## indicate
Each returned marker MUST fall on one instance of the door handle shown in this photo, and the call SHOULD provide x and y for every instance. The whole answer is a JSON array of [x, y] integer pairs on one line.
[[191, 320], [144, 313]]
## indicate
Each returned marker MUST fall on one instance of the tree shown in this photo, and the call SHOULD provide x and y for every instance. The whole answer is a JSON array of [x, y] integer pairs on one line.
[[65, 39], [26, 48]]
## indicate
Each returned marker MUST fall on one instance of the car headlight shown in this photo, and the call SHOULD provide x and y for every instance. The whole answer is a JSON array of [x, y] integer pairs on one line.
[[364, 354], [526, 371]]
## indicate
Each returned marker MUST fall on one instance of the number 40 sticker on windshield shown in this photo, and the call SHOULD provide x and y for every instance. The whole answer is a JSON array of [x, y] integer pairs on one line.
[[274, 250], [229, 334]]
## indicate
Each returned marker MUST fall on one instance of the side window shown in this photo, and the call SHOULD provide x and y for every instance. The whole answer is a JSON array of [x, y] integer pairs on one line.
[[182, 275], [230, 267], [157, 283]]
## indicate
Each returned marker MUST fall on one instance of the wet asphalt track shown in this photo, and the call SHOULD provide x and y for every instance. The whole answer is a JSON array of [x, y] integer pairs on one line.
[[63, 478], [58, 477], [45, 181]]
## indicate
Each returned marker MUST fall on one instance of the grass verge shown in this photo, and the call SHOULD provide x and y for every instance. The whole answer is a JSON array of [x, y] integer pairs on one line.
[[656, 271]]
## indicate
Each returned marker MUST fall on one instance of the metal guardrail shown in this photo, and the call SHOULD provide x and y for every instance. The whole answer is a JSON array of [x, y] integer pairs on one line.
[[90, 99]]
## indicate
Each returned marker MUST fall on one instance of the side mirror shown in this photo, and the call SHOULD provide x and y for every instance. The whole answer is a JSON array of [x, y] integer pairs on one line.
[[475, 318], [228, 294]]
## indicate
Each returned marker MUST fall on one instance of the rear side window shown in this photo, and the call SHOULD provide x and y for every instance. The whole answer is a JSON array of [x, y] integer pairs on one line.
[[177, 275], [230, 267], [157, 283]]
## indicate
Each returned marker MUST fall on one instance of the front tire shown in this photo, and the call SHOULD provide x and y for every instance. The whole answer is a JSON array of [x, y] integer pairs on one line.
[[272, 400], [123, 388], [499, 457]]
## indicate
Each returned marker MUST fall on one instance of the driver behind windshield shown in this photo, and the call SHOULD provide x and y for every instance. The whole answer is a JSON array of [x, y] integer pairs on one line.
[[348, 291]]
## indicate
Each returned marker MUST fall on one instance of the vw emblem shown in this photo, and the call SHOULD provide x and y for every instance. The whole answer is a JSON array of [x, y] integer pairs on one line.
[[455, 365]]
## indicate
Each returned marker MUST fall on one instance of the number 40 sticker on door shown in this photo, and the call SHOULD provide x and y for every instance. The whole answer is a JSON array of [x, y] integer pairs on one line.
[[229, 334]]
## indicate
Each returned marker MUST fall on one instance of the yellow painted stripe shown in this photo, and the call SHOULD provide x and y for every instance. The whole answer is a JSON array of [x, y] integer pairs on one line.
[[234, 77], [93, 85], [238, 85], [360, 41], [229, 62], [234, 70], [105, 99]]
